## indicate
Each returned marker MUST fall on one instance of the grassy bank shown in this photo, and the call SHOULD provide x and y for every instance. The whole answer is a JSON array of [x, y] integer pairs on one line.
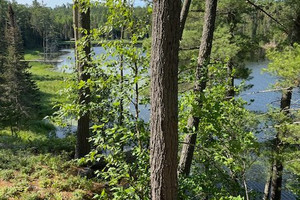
[[34, 164]]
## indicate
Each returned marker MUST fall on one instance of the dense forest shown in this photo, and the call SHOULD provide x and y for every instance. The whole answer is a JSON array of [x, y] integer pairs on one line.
[[178, 99]]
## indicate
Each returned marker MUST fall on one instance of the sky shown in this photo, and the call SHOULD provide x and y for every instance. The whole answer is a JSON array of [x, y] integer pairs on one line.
[[53, 3]]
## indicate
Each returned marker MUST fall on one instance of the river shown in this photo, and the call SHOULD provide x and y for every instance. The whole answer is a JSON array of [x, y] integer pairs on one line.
[[256, 96], [259, 100]]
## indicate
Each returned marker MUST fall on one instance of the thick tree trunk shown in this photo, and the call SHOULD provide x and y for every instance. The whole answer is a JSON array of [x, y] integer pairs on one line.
[[82, 145], [276, 183], [183, 15], [164, 99], [200, 84]]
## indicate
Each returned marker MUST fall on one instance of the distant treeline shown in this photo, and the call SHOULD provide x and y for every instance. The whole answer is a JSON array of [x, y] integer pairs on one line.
[[43, 26]]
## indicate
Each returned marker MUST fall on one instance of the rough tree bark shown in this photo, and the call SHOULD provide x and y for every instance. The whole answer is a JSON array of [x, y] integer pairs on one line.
[[276, 183], [82, 145], [200, 84], [164, 99]]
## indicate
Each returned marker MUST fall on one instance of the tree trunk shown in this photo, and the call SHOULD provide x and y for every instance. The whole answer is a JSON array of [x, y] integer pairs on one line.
[[254, 24], [136, 105], [121, 117], [44, 45], [200, 84], [231, 18], [268, 185], [75, 28], [164, 99], [183, 15], [276, 184], [230, 81], [82, 145], [121, 81]]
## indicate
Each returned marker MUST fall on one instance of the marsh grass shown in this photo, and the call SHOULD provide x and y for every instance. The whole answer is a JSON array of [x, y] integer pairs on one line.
[[34, 164]]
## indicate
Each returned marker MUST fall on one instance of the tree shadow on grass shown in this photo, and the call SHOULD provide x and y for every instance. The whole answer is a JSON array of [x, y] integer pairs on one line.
[[46, 105], [46, 77], [38, 144]]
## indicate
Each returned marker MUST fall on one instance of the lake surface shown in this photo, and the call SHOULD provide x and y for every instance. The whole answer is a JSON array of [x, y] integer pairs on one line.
[[257, 99], [68, 59]]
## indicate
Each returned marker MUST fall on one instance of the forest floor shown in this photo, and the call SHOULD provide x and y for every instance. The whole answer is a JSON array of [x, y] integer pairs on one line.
[[34, 163]]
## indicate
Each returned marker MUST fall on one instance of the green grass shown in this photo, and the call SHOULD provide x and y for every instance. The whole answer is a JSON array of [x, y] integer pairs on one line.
[[33, 163], [50, 83], [27, 175], [32, 54]]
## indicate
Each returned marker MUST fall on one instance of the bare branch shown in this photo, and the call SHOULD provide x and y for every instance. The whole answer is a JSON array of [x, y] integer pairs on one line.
[[265, 12], [265, 91]]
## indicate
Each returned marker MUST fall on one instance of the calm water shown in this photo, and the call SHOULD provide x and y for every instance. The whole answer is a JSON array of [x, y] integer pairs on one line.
[[257, 97], [258, 100], [68, 59]]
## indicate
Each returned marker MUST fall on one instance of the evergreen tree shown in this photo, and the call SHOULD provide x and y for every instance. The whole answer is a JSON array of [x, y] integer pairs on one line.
[[18, 91]]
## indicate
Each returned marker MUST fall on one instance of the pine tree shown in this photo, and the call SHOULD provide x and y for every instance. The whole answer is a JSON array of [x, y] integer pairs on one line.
[[2, 48], [18, 90]]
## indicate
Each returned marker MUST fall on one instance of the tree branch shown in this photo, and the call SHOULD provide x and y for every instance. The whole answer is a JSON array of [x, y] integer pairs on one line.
[[198, 10], [189, 48], [270, 16]]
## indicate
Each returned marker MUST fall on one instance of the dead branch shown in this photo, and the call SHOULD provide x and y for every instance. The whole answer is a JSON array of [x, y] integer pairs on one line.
[[270, 16]]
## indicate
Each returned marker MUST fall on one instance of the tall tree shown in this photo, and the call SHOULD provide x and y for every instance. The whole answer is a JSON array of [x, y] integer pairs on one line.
[[17, 89], [42, 22], [164, 99], [2, 22], [285, 65], [83, 51], [183, 15], [200, 84], [277, 171]]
